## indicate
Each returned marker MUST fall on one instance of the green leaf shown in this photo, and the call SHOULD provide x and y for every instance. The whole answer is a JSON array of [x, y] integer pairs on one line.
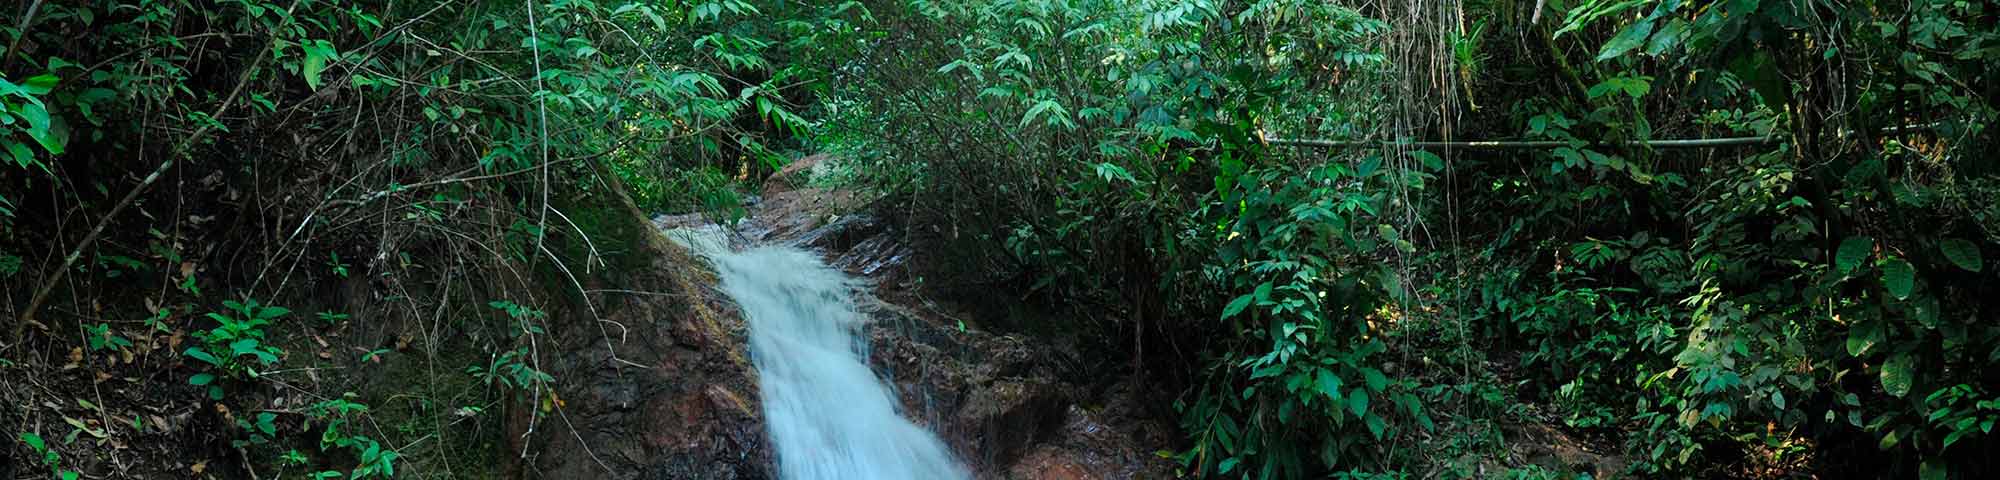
[[41, 84], [1667, 37], [1227, 465], [317, 53], [243, 347], [1898, 375], [197, 354], [1430, 160], [34, 441], [1357, 402], [266, 423], [1899, 277], [23, 157], [200, 379], [1631, 38], [1328, 384], [1962, 253], [1852, 251], [1376, 426], [1376, 380], [1236, 306], [1862, 337], [1932, 469]]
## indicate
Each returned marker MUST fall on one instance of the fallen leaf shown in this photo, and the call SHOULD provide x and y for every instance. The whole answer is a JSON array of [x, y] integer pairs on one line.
[[198, 467], [95, 432]]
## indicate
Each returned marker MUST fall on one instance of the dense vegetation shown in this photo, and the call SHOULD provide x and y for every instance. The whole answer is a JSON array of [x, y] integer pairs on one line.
[[1350, 239]]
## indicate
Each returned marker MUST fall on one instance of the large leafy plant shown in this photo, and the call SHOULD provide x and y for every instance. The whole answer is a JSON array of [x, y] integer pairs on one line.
[[237, 347]]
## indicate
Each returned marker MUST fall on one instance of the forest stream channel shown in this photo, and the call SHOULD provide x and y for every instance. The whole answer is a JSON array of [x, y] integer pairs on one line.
[[920, 394]]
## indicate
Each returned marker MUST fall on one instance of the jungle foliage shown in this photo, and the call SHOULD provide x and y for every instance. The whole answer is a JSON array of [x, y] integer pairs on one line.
[[324, 238], [1812, 295]]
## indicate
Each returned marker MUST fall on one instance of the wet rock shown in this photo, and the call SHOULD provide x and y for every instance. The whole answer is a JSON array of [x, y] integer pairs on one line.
[[659, 387], [794, 176], [679, 399], [1006, 417]]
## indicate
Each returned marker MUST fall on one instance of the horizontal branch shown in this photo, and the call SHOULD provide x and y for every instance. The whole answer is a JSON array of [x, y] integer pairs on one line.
[[1525, 144], [1543, 144]]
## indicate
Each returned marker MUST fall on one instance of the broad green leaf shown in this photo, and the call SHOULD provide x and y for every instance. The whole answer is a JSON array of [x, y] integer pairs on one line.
[[1328, 384], [22, 155], [243, 347], [197, 354], [1376, 380], [1376, 426], [1898, 375], [1236, 306], [1899, 277], [200, 379], [1962, 253], [1933, 469], [317, 54], [1852, 251], [40, 84], [1631, 38], [1862, 337], [265, 423], [1430, 160], [1357, 402], [1667, 37]]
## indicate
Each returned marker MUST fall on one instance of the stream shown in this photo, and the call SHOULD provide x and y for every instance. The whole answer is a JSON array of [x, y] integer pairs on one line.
[[827, 414]]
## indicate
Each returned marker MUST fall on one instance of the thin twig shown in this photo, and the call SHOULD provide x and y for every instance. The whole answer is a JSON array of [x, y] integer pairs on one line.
[[20, 32]]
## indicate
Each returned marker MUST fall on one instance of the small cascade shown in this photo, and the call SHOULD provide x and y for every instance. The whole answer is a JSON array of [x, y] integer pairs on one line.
[[829, 416]]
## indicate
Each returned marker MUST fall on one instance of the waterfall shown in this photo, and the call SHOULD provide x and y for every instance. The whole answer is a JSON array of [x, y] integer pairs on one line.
[[829, 416]]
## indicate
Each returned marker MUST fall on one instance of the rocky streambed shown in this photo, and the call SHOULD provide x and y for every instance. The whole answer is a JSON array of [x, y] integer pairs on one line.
[[1010, 406]]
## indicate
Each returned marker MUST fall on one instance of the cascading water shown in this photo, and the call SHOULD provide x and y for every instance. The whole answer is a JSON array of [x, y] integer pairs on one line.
[[828, 415]]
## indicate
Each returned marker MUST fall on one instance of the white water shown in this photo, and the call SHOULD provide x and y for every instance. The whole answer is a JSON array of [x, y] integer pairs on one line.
[[828, 415]]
